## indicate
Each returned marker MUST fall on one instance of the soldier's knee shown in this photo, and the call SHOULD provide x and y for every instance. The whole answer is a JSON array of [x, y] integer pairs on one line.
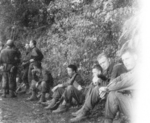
[[69, 88], [44, 87], [33, 85], [112, 97], [43, 84]]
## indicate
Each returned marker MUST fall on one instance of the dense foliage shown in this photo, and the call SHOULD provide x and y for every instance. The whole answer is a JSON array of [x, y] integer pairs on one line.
[[67, 31]]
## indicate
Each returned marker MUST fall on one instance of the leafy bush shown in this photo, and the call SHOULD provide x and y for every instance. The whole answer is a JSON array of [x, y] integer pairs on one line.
[[67, 31]]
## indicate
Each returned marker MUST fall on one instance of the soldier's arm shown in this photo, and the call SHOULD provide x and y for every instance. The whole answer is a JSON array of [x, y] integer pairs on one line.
[[118, 69], [70, 81], [35, 55], [121, 82]]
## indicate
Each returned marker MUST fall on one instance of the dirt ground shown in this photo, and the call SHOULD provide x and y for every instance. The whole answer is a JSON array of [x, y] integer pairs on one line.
[[18, 110]]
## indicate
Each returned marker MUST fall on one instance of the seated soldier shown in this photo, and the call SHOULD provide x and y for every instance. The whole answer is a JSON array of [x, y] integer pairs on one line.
[[120, 89], [96, 83], [110, 71], [42, 81], [68, 91]]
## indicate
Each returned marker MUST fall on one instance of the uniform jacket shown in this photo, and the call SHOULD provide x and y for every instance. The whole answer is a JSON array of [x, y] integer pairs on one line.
[[36, 54], [125, 82], [75, 81], [9, 56], [113, 71]]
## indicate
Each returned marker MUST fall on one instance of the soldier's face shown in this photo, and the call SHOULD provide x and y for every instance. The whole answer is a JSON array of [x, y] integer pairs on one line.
[[103, 62], [96, 72], [70, 72], [27, 46], [129, 60], [31, 44]]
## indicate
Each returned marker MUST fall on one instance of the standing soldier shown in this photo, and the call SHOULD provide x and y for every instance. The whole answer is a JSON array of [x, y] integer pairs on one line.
[[35, 56], [25, 64], [1, 67], [10, 57]]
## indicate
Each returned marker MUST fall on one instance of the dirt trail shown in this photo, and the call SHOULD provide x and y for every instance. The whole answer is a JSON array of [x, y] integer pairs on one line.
[[17, 110]]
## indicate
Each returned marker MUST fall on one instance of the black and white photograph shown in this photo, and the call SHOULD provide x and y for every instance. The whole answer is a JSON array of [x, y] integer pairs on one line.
[[74, 61]]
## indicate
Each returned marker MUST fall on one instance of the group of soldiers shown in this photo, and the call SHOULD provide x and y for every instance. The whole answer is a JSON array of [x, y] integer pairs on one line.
[[112, 82], [12, 61]]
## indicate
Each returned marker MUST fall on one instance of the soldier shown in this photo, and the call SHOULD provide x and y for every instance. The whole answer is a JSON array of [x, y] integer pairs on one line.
[[66, 92], [42, 81], [1, 67], [25, 64], [10, 57], [35, 56], [110, 71], [120, 89]]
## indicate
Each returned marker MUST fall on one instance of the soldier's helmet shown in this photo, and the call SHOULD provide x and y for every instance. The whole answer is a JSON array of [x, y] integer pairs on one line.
[[10, 43]]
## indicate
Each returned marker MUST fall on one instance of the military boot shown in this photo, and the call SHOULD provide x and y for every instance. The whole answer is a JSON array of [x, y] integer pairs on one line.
[[62, 108], [53, 105], [33, 97], [82, 115], [46, 103], [77, 112]]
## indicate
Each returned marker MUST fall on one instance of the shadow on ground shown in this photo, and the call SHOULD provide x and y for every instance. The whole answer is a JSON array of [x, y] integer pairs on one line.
[[17, 110]]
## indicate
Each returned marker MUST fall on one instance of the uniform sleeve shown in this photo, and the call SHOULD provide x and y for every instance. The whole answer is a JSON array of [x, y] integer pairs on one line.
[[122, 82], [118, 69], [76, 78], [70, 81], [36, 54]]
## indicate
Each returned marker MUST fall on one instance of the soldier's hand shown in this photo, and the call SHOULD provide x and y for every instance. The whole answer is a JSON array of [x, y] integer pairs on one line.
[[102, 92], [31, 60], [102, 95], [36, 84], [79, 87]]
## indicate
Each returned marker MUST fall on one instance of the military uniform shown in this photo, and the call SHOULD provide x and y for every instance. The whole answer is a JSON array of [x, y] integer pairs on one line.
[[37, 56], [42, 81], [120, 96], [25, 66], [68, 92], [93, 97], [10, 57]]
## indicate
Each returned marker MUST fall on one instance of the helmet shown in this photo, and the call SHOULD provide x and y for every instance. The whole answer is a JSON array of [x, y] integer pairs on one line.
[[10, 43]]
